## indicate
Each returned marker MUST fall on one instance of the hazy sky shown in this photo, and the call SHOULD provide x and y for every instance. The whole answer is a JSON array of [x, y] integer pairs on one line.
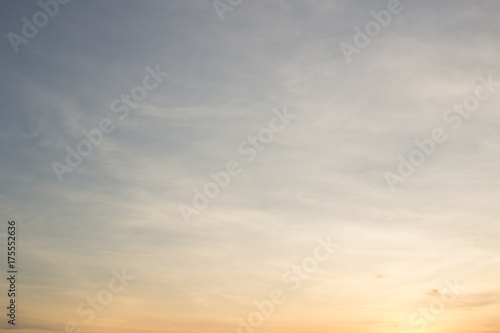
[[346, 120]]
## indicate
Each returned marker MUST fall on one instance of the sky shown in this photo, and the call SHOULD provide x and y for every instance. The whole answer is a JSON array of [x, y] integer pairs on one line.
[[240, 166]]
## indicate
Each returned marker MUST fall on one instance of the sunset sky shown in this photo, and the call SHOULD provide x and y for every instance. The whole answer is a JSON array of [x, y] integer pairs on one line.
[[256, 173]]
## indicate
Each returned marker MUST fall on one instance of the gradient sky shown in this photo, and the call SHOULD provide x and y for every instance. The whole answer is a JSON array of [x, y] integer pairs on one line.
[[322, 176]]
